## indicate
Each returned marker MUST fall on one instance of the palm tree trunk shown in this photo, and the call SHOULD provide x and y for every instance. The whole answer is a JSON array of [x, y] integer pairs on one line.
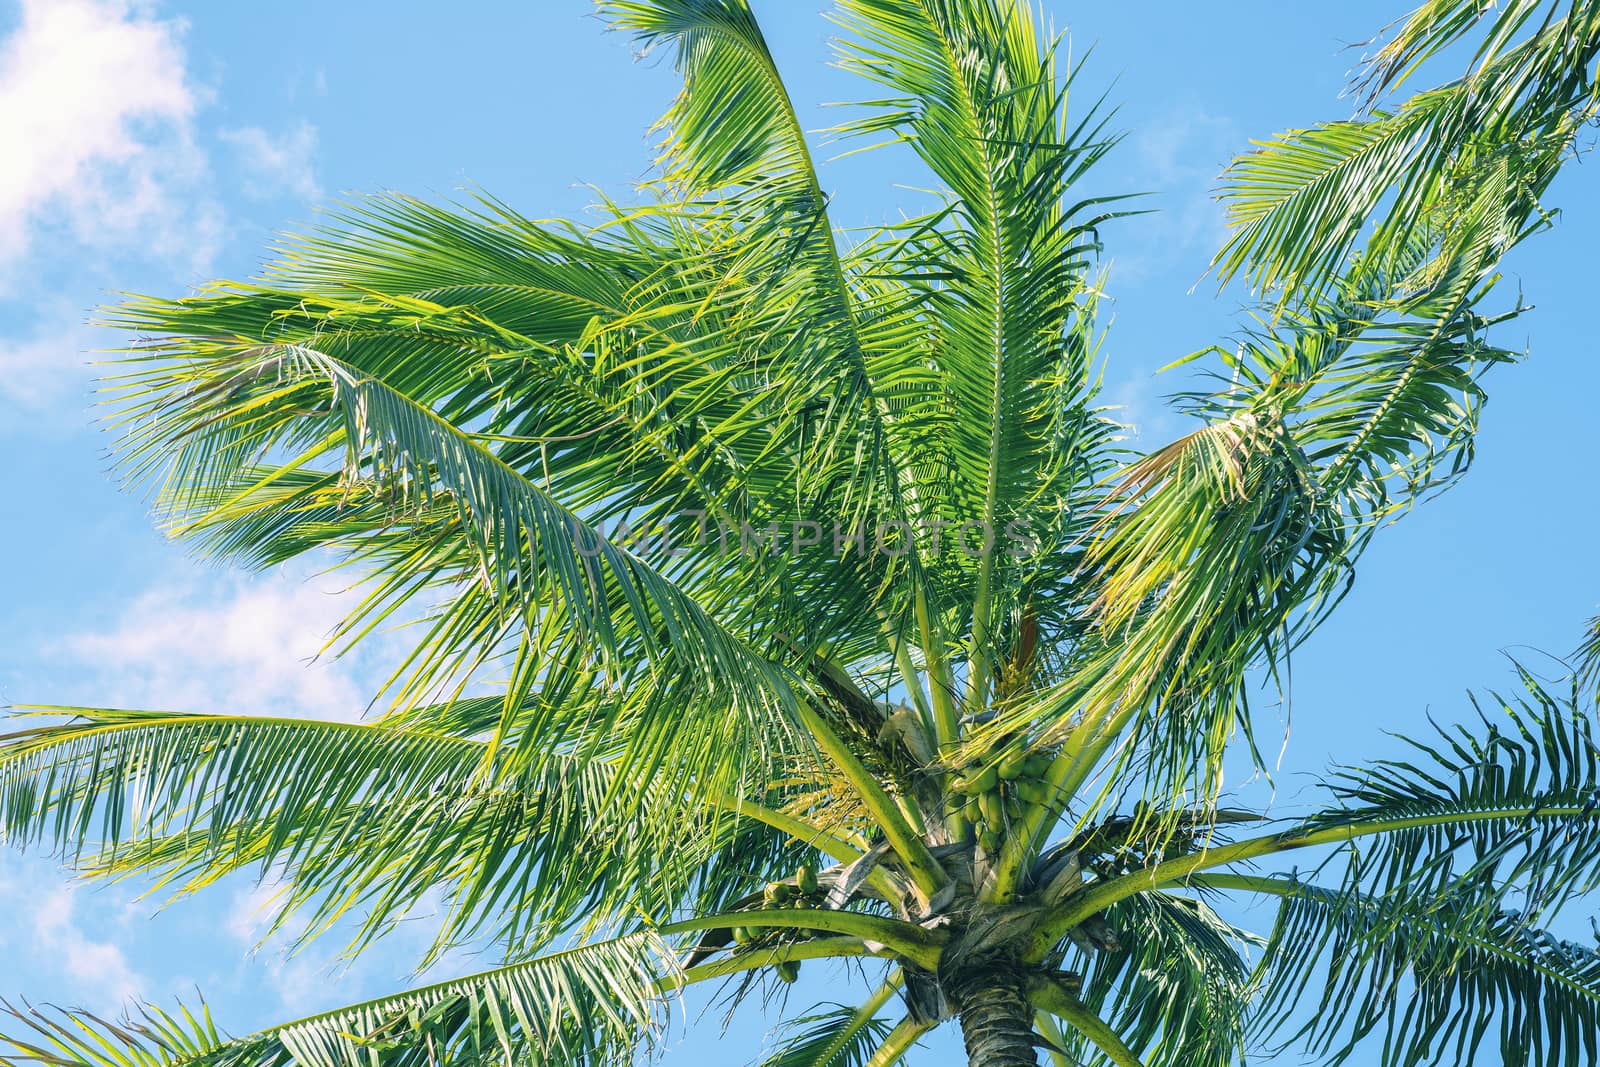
[[996, 1018]]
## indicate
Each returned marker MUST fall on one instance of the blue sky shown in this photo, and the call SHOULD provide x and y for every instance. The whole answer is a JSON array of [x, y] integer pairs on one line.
[[150, 146]]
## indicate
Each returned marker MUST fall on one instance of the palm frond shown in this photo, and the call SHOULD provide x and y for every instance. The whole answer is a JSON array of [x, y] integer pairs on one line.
[[1332, 421], [1440, 978], [126, 773], [844, 1036], [1436, 25], [1176, 989], [1514, 812], [733, 123], [1299, 204], [1519, 796], [1588, 658], [153, 1038], [504, 555], [980, 98], [595, 1004], [367, 822], [735, 140]]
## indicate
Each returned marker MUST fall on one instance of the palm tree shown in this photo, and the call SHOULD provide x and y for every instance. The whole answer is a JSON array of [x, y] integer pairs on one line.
[[779, 597]]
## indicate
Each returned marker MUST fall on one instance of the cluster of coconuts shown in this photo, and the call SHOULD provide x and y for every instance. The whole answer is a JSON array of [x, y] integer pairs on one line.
[[804, 892], [991, 795]]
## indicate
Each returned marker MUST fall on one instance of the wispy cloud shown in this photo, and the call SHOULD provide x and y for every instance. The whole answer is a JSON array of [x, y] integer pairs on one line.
[[43, 367], [276, 164], [305, 82], [99, 969], [1141, 405], [1179, 156], [250, 912], [301, 977], [228, 644], [97, 133]]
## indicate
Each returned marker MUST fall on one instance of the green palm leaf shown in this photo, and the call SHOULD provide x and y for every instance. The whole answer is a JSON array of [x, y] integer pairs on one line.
[[841, 1037], [1299, 203], [1176, 988], [979, 97], [367, 821], [1441, 978], [594, 1004]]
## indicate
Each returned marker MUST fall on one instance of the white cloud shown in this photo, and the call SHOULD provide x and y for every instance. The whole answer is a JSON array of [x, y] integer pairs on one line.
[[308, 83], [1142, 407], [1179, 157], [275, 164], [1185, 144], [301, 978], [235, 644], [41, 368], [250, 914], [98, 968], [96, 132]]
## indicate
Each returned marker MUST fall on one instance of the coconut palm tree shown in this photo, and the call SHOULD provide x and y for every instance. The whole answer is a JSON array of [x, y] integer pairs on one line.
[[782, 597]]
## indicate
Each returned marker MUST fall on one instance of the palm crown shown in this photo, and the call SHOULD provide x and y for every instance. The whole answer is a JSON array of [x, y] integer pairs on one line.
[[826, 615]]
